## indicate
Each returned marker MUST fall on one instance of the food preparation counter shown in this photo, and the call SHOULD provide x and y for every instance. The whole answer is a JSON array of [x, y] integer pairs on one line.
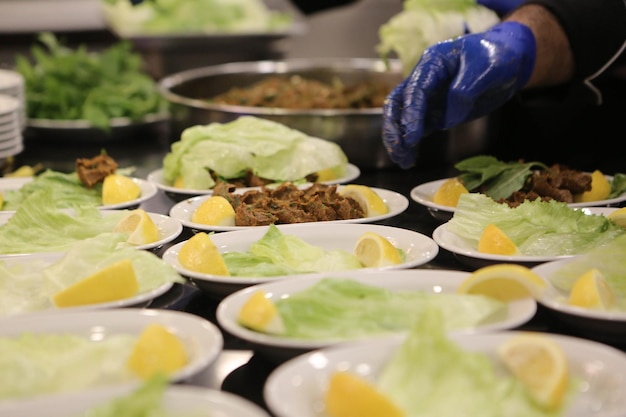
[[239, 369]]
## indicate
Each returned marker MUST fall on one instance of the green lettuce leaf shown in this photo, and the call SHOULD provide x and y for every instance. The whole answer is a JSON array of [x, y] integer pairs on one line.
[[336, 308], [277, 253], [538, 228], [271, 150]]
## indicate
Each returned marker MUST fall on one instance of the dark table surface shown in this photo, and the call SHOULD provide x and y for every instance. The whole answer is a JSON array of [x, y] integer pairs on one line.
[[239, 369]]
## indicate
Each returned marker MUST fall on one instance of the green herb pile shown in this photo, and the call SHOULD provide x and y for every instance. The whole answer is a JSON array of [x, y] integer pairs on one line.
[[75, 84]]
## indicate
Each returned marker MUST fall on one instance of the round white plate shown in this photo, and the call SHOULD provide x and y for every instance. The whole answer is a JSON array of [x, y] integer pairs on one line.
[[426, 280], [472, 257], [297, 387], [148, 190], [140, 300], [419, 249], [609, 326], [183, 211], [202, 340], [424, 193], [169, 229], [177, 400], [156, 177]]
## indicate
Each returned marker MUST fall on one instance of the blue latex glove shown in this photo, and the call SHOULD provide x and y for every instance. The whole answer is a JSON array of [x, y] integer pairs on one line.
[[501, 7], [455, 81]]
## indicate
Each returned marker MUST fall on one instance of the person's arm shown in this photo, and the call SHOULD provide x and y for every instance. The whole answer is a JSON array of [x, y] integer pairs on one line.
[[554, 61]]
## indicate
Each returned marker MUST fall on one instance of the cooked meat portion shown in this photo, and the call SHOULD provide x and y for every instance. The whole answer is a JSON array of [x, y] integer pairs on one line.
[[250, 179], [558, 183], [289, 204], [91, 171], [296, 92]]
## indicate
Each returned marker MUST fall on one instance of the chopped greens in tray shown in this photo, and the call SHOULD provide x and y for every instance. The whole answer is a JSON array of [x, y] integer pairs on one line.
[[75, 84], [337, 308], [538, 228], [268, 149]]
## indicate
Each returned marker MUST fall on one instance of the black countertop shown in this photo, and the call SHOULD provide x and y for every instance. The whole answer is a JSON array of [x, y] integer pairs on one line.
[[239, 369]]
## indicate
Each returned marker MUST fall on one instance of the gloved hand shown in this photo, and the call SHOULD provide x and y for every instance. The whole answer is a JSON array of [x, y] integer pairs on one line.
[[501, 7], [455, 81]]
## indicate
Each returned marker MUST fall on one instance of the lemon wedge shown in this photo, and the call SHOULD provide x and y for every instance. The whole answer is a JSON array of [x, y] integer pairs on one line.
[[449, 192], [618, 216], [115, 282], [591, 290], [118, 189], [494, 241], [540, 363], [157, 350], [200, 254], [139, 227], [1, 200], [505, 282], [600, 189], [351, 396], [179, 183], [215, 211], [368, 199], [327, 174], [375, 251], [260, 313]]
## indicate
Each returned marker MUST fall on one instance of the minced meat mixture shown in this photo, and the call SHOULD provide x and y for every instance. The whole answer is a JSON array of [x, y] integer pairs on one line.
[[296, 92], [558, 183], [289, 204]]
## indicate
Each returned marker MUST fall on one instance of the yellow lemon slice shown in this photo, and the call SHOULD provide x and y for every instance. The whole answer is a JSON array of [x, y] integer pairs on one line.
[[351, 396], [372, 203], [200, 254], [494, 241], [115, 282], [214, 211], [139, 227], [118, 189], [449, 192], [540, 363], [157, 350], [178, 183], [618, 216], [375, 251], [505, 282], [591, 291], [327, 174], [260, 313], [600, 189]]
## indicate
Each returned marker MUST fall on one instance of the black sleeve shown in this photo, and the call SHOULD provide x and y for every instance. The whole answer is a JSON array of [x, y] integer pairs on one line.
[[596, 30]]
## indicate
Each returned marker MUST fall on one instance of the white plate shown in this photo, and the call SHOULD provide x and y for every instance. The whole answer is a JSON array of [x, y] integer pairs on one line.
[[423, 194], [45, 259], [419, 249], [427, 280], [608, 326], [202, 340], [156, 177], [148, 190], [472, 257], [181, 400], [297, 387], [183, 211], [169, 229]]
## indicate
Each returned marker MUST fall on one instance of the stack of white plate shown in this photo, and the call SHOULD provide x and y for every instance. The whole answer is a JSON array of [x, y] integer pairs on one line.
[[12, 84], [11, 140]]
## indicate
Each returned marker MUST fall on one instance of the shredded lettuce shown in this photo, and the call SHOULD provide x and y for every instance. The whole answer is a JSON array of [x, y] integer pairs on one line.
[[538, 228], [429, 369], [423, 23], [28, 287], [270, 149], [336, 308], [277, 254]]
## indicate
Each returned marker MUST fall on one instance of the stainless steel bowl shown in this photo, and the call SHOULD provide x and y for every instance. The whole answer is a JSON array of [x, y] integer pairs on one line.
[[357, 131]]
